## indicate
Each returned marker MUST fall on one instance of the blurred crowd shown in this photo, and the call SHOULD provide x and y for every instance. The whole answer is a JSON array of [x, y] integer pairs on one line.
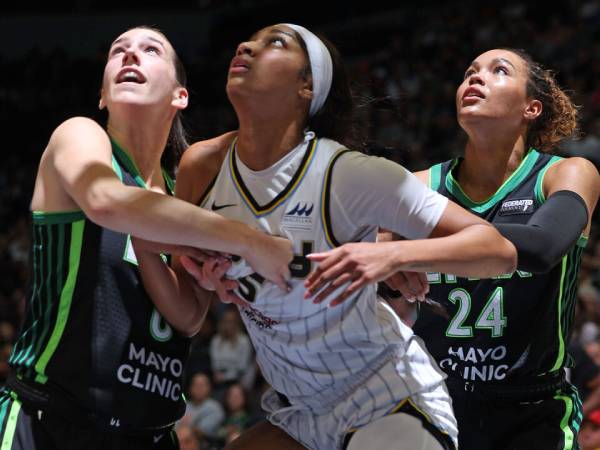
[[405, 75]]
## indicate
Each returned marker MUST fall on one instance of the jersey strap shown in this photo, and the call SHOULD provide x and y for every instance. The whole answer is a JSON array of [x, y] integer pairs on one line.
[[326, 200]]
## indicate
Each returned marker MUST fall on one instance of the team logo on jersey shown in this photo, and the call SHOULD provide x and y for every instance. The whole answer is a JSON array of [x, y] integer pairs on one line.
[[519, 206], [299, 216]]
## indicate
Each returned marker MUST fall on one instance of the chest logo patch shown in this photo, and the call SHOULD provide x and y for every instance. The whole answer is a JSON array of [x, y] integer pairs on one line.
[[518, 206], [299, 216]]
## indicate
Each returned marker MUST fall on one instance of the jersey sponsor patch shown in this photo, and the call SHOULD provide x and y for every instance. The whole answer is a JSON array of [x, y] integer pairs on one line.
[[299, 216], [518, 206], [258, 318]]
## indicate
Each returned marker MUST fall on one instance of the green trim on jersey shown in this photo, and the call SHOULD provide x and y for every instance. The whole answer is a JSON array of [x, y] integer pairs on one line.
[[435, 176], [571, 293], [566, 306], [539, 191], [116, 167], [566, 421], [517, 176], [58, 217], [561, 341], [169, 182], [127, 161], [5, 402], [11, 424], [120, 155], [66, 297]]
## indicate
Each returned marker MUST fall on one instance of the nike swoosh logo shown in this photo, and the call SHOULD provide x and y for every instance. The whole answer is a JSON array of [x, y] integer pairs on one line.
[[216, 207], [157, 438]]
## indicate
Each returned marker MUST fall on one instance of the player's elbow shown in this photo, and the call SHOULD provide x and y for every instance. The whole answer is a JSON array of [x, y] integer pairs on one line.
[[189, 328], [188, 332], [538, 258], [508, 256], [102, 206], [190, 324]]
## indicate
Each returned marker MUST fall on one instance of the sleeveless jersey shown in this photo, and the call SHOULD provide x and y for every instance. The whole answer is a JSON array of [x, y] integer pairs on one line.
[[313, 353], [509, 327], [90, 331]]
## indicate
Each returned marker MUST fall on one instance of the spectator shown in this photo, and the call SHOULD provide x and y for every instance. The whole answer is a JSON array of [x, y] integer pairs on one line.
[[585, 376], [203, 412], [589, 435], [231, 353], [237, 418]]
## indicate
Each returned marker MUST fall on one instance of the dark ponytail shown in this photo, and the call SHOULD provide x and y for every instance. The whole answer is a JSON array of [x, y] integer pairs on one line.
[[338, 117]]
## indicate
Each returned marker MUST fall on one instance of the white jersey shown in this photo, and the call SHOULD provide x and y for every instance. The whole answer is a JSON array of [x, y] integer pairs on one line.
[[314, 354]]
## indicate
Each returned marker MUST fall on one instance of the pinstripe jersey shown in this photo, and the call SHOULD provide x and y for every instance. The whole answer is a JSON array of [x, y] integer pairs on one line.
[[512, 326], [312, 353], [90, 331]]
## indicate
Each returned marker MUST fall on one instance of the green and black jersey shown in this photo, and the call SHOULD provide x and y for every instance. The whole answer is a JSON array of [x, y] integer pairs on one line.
[[512, 327], [91, 331]]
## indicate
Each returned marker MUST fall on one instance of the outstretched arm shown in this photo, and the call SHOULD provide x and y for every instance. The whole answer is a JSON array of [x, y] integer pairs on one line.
[[78, 156], [460, 244], [457, 241]]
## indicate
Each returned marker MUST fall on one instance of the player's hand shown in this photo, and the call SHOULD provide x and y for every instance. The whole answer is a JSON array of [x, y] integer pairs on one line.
[[211, 277], [270, 257], [412, 285], [356, 264]]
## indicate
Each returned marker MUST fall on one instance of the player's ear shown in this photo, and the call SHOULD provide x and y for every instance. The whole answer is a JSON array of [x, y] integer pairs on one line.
[[101, 102], [306, 90], [533, 110], [180, 98]]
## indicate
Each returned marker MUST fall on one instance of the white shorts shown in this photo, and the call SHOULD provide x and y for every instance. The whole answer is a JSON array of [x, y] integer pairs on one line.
[[377, 397]]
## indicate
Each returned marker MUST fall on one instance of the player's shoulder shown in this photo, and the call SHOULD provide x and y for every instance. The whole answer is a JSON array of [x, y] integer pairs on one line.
[[572, 168], [199, 165], [573, 163], [78, 128], [79, 134], [207, 154]]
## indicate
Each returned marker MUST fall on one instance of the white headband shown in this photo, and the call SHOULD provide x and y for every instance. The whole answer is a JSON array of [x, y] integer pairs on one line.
[[321, 67]]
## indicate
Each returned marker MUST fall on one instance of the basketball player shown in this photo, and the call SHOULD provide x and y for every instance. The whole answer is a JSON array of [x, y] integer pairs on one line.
[[95, 365], [504, 343], [333, 370]]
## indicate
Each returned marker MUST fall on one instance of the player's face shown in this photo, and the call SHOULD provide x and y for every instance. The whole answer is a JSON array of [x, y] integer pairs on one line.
[[494, 86], [271, 65], [140, 70]]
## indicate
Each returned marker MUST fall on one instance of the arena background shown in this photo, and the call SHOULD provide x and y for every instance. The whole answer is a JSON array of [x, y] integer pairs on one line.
[[406, 59]]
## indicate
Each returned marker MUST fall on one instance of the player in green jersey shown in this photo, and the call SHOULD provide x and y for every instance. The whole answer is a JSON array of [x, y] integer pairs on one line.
[[96, 366]]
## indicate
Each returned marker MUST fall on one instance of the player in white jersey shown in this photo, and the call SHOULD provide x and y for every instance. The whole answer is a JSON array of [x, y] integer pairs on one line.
[[333, 370]]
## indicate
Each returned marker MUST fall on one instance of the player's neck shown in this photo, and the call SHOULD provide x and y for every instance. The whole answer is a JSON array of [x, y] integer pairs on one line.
[[261, 143], [145, 145], [488, 164]]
